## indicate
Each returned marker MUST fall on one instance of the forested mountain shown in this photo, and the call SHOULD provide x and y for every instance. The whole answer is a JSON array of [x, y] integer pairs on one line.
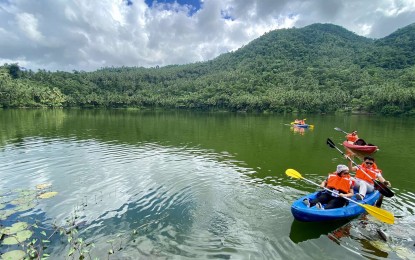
[[318, 68]]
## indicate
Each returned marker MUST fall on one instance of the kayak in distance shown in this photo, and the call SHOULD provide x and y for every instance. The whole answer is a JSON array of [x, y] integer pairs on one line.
[[302, 125]]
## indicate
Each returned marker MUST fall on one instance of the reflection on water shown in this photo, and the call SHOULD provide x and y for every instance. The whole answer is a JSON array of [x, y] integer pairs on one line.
[[176, 185], [147, 199], [300, 130], [314, 230]]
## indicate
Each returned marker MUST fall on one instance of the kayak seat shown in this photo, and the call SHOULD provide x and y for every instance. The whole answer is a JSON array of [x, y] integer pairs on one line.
[[360, 142]]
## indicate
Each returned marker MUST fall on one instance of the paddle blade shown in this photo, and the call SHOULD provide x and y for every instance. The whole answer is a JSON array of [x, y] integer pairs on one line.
[[293, 173], [330, 143], [383, 189], [380, 214]]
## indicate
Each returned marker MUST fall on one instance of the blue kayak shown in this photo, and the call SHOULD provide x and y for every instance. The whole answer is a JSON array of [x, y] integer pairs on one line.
[[302, 125], [302, 213]]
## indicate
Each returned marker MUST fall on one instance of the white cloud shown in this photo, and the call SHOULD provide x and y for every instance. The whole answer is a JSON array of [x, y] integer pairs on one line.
[[87, 35], [28, 24]]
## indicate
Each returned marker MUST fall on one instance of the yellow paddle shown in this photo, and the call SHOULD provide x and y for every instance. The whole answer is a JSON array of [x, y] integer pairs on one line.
[[380, 214]]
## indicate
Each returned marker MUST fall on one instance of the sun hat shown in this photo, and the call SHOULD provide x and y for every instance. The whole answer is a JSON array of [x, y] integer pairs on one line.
[[341, 168]]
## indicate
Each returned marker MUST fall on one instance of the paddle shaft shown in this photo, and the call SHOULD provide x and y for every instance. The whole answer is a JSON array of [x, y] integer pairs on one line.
[[338, 129]]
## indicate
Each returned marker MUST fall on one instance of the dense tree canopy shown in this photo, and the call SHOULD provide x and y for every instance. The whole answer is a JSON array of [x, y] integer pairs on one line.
[[319, 68]]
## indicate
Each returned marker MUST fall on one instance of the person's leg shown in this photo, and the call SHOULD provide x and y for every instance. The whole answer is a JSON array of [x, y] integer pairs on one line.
[[356, 186], [370, 188], [336, 202], [362, 188], [324, 197]]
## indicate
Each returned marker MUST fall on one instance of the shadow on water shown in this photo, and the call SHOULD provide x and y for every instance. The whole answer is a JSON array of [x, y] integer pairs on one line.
[[303, 231]]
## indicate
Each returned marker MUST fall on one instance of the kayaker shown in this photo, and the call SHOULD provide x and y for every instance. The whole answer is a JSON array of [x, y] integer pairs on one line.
[[352, 137], [342, 186], [299, 121], [364, 182]]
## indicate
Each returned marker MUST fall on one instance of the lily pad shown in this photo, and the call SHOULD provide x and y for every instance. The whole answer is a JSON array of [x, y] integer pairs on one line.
[[48, 195], [25, 193], [43, 186], [22, 200], [16, 227], [4, 214], [18, 237], [13, 255], [25, 207], [6, 199]]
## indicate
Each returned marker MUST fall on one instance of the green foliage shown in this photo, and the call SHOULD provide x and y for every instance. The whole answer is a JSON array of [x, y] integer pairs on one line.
[[14, 71], [320, 68]]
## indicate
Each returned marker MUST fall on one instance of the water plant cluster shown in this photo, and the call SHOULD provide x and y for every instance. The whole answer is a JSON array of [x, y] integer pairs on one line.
[[21, 236]]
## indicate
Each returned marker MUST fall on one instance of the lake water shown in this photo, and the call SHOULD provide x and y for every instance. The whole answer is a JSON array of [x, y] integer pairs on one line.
[[176, 185]]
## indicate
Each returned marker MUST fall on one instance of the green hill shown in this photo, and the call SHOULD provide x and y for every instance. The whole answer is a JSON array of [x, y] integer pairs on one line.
[[319, 68]]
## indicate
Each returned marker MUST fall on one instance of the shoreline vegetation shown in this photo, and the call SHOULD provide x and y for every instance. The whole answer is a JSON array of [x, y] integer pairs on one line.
[[321, 68]]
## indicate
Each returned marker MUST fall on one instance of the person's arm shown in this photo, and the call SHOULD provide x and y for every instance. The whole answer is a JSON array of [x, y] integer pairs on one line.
[[351, 167], [323, 184], [383, 180], [348, 195]]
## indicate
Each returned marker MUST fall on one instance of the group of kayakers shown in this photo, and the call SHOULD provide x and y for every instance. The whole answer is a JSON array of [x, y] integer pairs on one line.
[[299, 121], [343, 185]]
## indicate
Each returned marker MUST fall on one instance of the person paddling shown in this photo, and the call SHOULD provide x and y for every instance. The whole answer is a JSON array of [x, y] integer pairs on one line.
[[342, 186], [352, 137], [365, 174]]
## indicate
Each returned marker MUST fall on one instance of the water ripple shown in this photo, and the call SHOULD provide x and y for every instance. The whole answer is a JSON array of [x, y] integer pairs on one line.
[[168, 202]]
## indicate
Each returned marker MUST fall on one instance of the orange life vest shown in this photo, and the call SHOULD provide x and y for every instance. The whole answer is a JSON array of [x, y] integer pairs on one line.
[[352, 138], [373, 172], [342, 184]]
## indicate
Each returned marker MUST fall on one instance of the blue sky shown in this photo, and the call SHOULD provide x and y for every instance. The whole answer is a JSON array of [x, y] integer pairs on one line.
[[194, 5], [89, 35]]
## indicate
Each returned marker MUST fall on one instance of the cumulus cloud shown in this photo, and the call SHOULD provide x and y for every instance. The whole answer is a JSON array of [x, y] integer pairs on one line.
[[88, 35]]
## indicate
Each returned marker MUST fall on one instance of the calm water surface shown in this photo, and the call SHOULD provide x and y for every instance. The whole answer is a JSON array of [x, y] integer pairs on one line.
[[176, 185]]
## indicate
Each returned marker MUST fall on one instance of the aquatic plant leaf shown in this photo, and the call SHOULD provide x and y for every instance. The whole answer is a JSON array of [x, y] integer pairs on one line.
[[48, 195], [6, 199], [6, 213], [25, 206], [43, 186], [18, 237], [25, 193], [22, 200], [71, 251], [16, 227], [13, 255]]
